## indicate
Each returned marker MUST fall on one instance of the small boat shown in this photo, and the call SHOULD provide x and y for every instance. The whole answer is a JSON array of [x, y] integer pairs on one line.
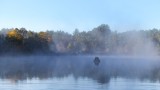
[[96, 61]]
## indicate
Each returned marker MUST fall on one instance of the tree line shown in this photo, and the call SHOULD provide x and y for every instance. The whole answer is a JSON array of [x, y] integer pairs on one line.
[[99, 40]]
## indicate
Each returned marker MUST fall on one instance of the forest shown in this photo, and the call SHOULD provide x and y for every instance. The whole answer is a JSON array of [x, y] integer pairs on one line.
[[99, 40]]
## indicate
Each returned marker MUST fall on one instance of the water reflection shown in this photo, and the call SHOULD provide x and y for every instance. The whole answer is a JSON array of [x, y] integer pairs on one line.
[[44, 67]]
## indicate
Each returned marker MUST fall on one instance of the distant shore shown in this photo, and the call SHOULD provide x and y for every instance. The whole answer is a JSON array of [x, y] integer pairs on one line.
[[99, 41]]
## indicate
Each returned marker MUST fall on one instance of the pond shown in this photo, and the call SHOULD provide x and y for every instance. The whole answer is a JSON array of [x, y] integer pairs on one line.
[[79, 73]]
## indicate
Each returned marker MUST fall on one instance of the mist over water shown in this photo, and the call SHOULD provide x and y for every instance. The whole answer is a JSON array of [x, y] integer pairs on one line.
[[138, 43], [124, 56], [44, 67], [146, 47]]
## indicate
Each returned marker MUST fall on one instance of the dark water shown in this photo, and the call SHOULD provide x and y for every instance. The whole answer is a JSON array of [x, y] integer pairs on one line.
[[79, 73]]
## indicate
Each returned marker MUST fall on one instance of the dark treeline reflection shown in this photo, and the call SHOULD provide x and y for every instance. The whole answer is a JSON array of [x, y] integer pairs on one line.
[[44, 67]]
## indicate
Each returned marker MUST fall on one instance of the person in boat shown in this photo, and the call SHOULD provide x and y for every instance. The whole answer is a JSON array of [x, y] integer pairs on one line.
[[96, 61]]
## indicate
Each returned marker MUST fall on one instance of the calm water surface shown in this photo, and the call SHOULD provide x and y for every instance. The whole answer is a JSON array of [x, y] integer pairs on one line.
[[79, 73]]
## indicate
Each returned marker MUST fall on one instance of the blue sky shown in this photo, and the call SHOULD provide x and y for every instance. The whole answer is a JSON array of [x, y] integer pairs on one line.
[[66, 15]]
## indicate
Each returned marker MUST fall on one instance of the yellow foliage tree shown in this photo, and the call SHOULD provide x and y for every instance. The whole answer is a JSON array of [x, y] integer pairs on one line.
[[14, 35], [45, 36]]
